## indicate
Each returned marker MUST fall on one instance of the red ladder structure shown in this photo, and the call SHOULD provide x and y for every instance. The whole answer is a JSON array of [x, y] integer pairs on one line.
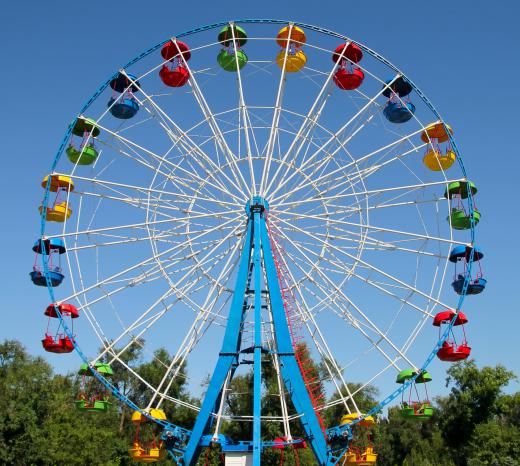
[[309, 373]]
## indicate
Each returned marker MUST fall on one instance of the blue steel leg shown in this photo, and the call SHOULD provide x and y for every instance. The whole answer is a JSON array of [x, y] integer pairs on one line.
[[228, 354], [257, 374], [289, 367]]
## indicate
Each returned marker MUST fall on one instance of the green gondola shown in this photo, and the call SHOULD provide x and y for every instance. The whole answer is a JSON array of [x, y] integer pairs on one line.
[[225, 36], [92, 398], [228, 61], [416, 410], [460, 188], [85, 156], [85, 125], [459, 220]]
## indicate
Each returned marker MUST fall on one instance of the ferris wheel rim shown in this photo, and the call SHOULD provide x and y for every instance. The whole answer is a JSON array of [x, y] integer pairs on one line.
[[255, 21]]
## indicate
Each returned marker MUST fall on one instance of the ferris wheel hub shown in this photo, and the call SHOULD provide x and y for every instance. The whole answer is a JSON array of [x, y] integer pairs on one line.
[[257, 204]]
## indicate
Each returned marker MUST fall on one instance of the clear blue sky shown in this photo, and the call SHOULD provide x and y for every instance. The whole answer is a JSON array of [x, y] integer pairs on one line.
[[463, 55]]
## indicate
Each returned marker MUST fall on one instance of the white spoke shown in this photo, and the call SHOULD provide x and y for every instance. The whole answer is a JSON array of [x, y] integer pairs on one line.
[[174, 288], [321, 344], [339, 268], [219, 137], [243, 111], [336, 135], [335, 288], [193, 335], [372, 227], [182, 138], [373, 267], [144, 262], [162, 159], [341, 170], [145, 224]]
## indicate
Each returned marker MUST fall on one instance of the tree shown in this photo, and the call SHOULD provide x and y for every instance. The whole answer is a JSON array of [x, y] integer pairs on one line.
[[365, 399], [123, 379], [475, 425], [475, 399], [406, 442], [153, 372], [74, 438], [494, 444], [239, 401], [38, 421]]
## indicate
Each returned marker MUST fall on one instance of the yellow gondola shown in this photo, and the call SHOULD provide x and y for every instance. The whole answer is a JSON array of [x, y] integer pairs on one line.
[[435, 160], [147, 452], [291, 39], [142, 455], [365, 457], [137, 416], [295, 62], [58, 182], [297, 36], [436, 131], [58, 213], [351, 417], [361, 450]]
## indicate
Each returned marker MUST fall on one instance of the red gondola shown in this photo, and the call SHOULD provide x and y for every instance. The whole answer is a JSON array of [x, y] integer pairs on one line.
[[59, 341], [171, 50], [451, 351], [283, 444], [348, 77], [350, 52], [348, 80], [175, 74]]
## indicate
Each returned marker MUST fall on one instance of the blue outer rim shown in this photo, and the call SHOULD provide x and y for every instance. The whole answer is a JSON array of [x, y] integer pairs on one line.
[[220, 24]]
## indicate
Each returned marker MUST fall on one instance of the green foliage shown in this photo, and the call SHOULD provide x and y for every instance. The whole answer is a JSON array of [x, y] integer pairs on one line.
[[239, 401], [38, 421], [401, 441], [494, 444], [475, 399], [365, 400], [476, 424]]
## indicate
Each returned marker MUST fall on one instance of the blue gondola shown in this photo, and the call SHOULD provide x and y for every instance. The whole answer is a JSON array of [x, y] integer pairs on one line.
[[38, 277], [125, 82], [474, 286], [53, 244], [396, 109], [399, 112], [399, 86], [50, 247], [124, 106], [463, 254]]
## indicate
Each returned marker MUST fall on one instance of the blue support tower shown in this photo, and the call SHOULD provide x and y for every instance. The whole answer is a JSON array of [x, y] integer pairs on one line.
[[257, 368], [257, 262]]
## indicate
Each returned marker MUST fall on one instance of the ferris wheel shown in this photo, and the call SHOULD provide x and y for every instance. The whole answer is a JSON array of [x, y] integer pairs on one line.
[[250, 193]]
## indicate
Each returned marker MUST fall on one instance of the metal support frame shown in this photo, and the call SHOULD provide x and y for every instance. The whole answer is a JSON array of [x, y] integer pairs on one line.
[[257, 368], [228, 356], [257, 257]]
